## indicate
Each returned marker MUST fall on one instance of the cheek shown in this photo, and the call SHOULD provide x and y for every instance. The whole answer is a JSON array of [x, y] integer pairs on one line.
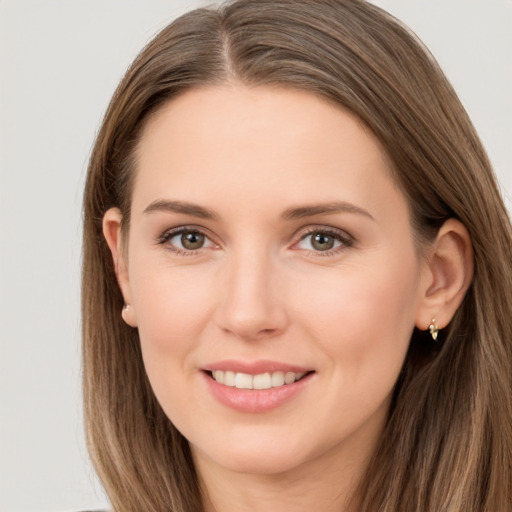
[[361, 323], [171, 309], [172, 306], [363, 319], [169, 296]]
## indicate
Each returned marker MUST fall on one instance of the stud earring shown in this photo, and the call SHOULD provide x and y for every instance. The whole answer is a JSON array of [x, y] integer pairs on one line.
[[434, 329], [126, 307]]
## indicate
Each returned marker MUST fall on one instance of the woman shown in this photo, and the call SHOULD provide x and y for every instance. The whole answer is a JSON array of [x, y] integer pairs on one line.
[[297, 282]]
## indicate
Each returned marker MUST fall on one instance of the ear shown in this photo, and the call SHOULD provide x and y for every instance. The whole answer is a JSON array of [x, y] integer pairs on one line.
[[113, 235], [448, 272]]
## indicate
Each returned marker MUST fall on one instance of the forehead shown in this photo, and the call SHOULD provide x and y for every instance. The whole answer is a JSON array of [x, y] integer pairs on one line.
[[264, 142]]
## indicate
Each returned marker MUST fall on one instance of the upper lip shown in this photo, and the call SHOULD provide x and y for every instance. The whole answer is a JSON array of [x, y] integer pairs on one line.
[[255, 367]]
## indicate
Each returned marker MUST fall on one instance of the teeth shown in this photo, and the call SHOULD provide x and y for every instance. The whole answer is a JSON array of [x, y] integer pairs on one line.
[[289, 377], [229, 379], [243, 381], [260, 381], [277, 379]]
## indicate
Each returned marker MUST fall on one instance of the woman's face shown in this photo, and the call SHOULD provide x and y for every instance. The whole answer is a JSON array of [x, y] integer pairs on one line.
[[269, 247]]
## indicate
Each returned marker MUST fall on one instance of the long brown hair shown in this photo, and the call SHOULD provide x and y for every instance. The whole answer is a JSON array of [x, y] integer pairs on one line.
[[448, 442]]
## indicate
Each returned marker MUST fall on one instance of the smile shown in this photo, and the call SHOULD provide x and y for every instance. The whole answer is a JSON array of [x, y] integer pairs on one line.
[[261, 381], [257, 392]]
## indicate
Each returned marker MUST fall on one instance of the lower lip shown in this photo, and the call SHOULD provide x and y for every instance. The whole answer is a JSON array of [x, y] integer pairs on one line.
[[256, 400]]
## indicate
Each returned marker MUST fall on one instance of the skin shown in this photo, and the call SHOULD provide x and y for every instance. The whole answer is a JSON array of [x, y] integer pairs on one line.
[[259, 290]]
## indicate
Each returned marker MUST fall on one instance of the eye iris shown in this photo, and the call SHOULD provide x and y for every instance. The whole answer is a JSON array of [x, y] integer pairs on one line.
[[192, 240], [322, 242]]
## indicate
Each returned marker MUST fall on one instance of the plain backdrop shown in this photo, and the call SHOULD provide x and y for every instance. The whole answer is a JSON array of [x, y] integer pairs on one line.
[[60, 61]]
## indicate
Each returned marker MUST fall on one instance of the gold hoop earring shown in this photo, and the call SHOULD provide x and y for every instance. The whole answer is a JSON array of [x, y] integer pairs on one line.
[[434, 329]]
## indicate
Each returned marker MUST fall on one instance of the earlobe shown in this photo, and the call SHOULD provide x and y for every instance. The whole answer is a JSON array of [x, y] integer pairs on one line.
[[113, 235], [448, 274]]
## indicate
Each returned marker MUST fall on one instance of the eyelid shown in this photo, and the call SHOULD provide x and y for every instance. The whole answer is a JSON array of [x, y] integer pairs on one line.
[[346, 240], [170, 233], [342, 236]]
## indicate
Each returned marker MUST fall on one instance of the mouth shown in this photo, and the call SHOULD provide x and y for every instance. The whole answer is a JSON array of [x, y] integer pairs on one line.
[[260, 381], [257, 386]]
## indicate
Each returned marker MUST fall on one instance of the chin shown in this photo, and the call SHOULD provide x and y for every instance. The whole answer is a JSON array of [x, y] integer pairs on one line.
[[258, 464], [272, 458]]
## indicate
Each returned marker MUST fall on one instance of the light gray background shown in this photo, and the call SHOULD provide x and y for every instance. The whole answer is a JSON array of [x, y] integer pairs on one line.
[[60, 61]]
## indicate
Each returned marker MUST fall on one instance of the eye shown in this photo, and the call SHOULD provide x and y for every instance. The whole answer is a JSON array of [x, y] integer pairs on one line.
[[185, 240], [189, 240], [321, 240]]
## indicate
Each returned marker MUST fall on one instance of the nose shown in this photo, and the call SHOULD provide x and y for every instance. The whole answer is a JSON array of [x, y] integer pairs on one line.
[[252, 302]]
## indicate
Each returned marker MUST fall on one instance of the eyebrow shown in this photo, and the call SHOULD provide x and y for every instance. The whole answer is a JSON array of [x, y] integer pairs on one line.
[[324, 209], [161, 205]]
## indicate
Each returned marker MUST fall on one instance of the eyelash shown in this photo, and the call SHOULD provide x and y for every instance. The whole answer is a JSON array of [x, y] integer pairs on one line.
[[342, 237], [171, 233]]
